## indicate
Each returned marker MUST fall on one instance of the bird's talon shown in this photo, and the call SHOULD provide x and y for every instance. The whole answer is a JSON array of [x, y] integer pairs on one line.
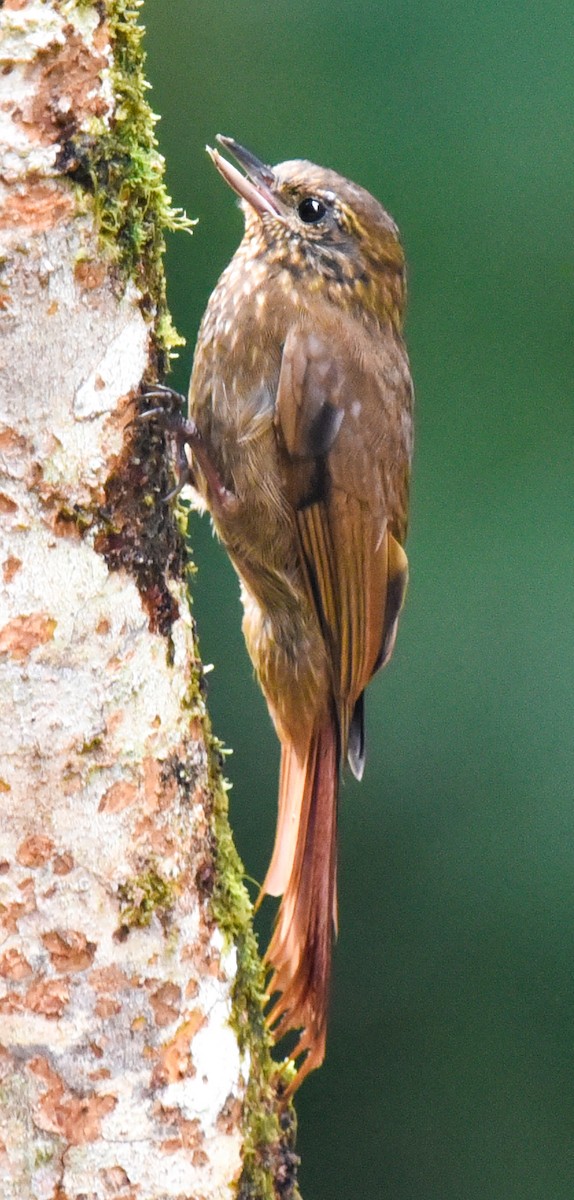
[[160, 391], [185, 433], [149, 414], [182, 482]]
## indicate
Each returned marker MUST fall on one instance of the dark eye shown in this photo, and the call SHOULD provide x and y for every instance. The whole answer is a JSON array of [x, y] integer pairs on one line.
[[311, 210]]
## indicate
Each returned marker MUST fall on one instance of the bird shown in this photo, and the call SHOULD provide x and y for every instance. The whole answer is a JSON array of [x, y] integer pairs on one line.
[[300, 436]]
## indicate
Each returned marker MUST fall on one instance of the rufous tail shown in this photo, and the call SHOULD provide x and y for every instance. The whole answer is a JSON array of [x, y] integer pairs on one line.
[[304, 867]]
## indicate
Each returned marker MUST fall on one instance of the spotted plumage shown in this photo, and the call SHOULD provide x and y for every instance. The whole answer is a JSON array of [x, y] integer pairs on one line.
[[302, 398]]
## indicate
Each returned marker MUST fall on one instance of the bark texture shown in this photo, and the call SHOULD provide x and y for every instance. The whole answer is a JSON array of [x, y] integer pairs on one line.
[[120, 1072]]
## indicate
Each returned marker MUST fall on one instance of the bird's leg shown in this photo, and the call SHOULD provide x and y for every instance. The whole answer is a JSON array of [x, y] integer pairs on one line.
[[185, 433]]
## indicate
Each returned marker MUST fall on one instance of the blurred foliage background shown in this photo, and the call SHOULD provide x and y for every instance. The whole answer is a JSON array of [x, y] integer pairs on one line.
[[450, 1061]]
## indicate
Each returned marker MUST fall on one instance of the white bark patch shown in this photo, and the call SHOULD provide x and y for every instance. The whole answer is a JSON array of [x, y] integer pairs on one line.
[[119, 370], [97, 343]]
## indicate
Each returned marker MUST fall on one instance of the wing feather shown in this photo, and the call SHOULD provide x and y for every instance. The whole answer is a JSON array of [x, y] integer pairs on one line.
[[348, 487]]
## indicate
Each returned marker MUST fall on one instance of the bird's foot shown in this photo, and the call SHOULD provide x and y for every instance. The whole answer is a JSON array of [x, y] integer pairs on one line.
[[186, 435]]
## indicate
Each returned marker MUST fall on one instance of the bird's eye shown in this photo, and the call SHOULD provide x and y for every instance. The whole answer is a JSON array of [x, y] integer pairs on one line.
[[311, 210]]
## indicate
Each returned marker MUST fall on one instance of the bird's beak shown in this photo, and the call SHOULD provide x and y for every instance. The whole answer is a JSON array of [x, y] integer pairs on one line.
[[256, 186]]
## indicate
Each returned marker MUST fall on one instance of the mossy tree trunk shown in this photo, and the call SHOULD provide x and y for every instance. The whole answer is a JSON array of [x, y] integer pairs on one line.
[[133, 1060]]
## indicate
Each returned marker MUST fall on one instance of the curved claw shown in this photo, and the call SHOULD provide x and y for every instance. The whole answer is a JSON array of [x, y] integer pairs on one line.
[[185, 433], [185, 477], [159, 392], [163, 389], [148, 415], [171, 420]]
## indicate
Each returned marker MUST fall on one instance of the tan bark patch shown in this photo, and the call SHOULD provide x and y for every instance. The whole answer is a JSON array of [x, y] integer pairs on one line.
[[12, 913], [192, 989], [119, 796], [114, 1180], [106, 1007], [152, 783], [76, 1118], [10, 567], [101, 36], [186, 1134], [212, 966], [102, 1073], [199, 1157], [10, 916], [37, 209], [108, 979], [69, 951], [175, 1057], [230, 1115], [62, 524], [11, 1004], [12, 442], [160, 842], [90, 274], [166, 1003], [7, 505], [63, 864], [21, 635], [35, 851], [13, 965], [68, 91], [48, 998]]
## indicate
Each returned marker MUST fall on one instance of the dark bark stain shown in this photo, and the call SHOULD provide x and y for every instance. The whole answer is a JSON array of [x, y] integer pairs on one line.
[[138, 532]]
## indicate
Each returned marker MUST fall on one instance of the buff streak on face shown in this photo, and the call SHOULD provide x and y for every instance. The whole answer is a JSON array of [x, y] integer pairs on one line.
[[300, 429]]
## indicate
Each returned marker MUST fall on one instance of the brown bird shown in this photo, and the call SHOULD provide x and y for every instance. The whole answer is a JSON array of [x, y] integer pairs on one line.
[[300, 407]]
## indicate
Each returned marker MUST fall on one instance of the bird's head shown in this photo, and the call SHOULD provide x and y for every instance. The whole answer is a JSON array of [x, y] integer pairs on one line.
[[331, 235]]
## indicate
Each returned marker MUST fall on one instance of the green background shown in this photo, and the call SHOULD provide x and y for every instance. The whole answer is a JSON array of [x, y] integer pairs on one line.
[[449, 1073]]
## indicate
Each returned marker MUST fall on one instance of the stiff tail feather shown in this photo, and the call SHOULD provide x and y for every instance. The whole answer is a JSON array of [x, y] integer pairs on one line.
[[304, 867]]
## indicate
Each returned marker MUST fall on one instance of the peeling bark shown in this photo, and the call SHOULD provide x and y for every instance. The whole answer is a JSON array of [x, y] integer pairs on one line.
[[120, 1074]]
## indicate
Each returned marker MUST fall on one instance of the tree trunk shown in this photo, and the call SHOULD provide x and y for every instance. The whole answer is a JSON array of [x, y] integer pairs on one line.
[[133, 1059]]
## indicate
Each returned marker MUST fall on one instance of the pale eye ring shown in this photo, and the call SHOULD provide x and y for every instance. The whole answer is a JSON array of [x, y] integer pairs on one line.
[[311, 210]]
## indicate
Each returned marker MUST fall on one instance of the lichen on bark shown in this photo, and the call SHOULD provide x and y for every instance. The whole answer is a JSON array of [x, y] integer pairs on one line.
[[118, 163]]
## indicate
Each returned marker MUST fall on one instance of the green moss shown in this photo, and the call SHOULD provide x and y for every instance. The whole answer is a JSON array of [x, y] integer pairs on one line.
[[144, 896], [91, 745], [42, 1156], [118, 162], [79, 516]]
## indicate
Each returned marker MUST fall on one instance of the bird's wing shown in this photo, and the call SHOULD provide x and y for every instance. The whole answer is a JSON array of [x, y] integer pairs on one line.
[[344, 428]]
